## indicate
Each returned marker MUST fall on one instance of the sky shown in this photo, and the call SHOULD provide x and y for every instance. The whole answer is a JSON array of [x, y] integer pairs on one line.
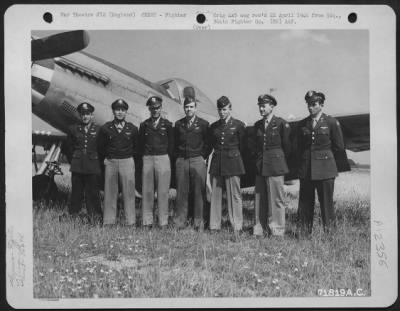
[[242, 64]]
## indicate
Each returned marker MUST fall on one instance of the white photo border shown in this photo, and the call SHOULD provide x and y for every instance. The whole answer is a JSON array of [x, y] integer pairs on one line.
[[379, 20]]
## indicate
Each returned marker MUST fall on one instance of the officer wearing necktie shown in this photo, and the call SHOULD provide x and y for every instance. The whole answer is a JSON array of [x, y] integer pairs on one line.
[[272, 148], [191, 152], [85, 165], [118, 141], [318, 138], [227, 137], [156, 142]]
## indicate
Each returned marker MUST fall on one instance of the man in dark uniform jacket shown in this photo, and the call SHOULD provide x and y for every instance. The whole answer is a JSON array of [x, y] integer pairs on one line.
[[85, 166], [272, 149], [191, 152], [156, 142], [227, 137], [118, 143], [319, 136]]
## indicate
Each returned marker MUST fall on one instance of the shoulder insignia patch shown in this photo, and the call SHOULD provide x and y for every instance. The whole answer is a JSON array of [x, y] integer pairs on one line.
[[287, 125]]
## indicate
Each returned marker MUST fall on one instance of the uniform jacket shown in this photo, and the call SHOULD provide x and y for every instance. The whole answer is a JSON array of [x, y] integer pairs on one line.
[[228, 141], [83, 149], [114, 145], [191, 141], [272, 146], [315, 148], [157, 140]]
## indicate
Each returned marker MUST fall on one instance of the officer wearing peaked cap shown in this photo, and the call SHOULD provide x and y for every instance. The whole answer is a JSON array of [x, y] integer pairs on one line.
[[227, 138], [85, 108], [85, 165], [119, 145], [154, 102], [272, 148], [119, 104], [191, 151], [156, 142], [319, 136]]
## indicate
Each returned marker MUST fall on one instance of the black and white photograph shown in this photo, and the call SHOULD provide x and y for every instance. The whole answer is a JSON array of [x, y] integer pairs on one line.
[[222, 163]]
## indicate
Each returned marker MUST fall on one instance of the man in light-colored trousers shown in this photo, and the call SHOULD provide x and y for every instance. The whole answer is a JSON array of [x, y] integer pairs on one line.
[[119, 170], [118, 145], [268, 193], [234, 201], [156, 142], [156, 172]]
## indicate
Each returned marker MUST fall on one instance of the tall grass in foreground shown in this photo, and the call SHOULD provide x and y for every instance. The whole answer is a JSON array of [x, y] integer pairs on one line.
[[73, 259]]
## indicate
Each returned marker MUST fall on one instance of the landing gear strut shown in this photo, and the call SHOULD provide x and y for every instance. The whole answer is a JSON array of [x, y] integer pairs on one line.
[[43, 185]]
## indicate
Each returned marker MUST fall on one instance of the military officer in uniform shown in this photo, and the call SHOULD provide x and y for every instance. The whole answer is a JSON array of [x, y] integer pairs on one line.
[[85, 165], [191, 152], [227, 137], [319, 136], [118, 141], [156, 141], [272, 148]]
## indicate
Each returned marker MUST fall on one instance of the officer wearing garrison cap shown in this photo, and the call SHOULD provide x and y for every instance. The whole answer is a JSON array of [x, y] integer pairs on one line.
[[119, 143], [191, 151], [156, 143], [85, 165], [227, 138], [272, 147], [319, 136]]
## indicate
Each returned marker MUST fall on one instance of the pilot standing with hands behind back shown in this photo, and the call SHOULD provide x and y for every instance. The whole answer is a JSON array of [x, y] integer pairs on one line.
[[227, 137], [85, 165], [318, 137], [272, 149], [191, 148], [156, 143], [118, 143]]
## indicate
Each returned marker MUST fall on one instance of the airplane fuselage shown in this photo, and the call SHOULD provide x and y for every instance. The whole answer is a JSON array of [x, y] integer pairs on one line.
[[59, 85]]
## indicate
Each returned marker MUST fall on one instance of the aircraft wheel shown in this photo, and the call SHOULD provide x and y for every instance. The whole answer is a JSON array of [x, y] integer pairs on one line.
[[44, 188]]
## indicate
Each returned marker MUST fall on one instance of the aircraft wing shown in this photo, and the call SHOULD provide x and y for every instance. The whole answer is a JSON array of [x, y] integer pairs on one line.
[[356, 134], [355, 128], [356, 131], [44, 134]]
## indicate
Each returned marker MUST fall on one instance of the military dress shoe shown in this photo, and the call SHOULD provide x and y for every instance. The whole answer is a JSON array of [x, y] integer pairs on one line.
[[164, 227], [235, 237], [64, 217], [109, 226], [258, 231], [199, 228]]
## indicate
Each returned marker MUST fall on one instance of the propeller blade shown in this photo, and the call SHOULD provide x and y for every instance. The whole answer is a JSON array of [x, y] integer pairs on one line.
[[59, 44]]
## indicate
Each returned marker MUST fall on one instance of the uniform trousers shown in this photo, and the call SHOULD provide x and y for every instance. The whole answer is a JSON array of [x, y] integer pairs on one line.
[[85, 185], [122, 171], [269, 205], [156, 177], [307, 201], [190, 178], [234, 201]]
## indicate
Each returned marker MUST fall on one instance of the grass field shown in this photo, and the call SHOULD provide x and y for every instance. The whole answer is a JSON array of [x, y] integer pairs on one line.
[[73, 259]]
